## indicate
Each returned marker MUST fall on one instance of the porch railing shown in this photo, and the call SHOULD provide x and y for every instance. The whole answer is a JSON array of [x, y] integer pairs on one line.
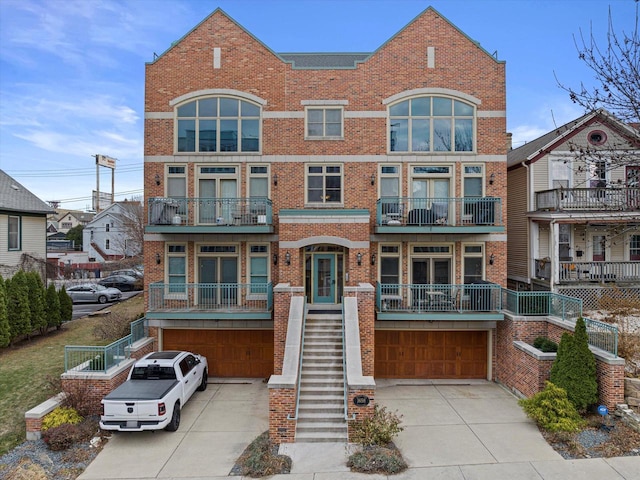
[[210, 211], [601, 198], [580, 272], [210, 297], [425, 298], [602, 335], [405, 211], [102, 358], [541, 303]]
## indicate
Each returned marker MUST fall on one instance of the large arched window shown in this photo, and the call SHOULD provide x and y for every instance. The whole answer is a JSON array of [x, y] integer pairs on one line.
[[218, 124], [431, 124]]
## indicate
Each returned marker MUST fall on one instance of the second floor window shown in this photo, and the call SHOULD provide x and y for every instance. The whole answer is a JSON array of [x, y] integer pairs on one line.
[[218, 124], [324, 123], [431, 124], [324, 184]]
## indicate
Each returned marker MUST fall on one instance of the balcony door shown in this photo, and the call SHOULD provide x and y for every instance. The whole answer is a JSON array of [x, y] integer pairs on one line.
[[215, 184], [218, 277], [324, 290], [436, 271]]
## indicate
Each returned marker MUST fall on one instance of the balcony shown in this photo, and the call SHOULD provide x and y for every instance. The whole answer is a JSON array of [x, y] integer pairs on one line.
[[211, 301], [209, 215], [601, 272], [439, 215], [589, 199], [480, 301]]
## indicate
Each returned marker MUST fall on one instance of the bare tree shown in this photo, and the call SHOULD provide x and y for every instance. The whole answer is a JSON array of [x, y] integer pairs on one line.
[[616, 66], [131, 230]]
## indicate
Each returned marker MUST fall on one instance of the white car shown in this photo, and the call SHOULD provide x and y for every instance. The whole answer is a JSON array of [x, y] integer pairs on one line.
[[93, 293]]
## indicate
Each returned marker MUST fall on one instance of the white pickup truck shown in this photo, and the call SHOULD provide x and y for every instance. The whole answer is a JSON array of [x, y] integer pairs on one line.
[[158, 386]]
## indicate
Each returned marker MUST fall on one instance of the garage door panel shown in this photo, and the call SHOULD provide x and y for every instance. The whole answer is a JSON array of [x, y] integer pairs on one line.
[[230, 353], [431, 354]]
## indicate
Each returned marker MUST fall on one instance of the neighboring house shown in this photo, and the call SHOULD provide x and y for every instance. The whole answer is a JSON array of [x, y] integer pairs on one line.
[[23, 228], [114, 233], [326, 172], [574, 209], [65, 220]]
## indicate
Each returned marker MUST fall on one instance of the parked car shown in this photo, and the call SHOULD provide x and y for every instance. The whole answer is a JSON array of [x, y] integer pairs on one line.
[[93, 292], [131, 272], [158, 386], [125, 283]]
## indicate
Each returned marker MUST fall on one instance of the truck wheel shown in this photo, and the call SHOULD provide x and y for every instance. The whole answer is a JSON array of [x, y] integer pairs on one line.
[[203, 384], [175, 419]]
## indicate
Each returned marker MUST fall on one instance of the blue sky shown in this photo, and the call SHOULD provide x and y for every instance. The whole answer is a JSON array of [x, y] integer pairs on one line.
[[72, 71]]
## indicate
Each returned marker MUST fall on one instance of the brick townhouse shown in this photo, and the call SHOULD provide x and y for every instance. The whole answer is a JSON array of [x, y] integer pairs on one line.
[[380, 176]]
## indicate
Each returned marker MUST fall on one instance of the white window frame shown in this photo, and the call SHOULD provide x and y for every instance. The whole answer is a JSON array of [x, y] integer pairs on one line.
[[167, 255], [480, 175], [217, 118], [324, 174], [18, 234], [323, 109], [431, 117]]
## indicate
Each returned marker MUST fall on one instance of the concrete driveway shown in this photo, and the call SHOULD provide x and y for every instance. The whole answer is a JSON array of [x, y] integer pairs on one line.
[[452, 430]]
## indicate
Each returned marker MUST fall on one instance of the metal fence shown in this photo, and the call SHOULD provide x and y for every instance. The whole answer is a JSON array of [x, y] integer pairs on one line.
[[210, 296], [425, 298], [102, 358], [602, 335], [210, 211]]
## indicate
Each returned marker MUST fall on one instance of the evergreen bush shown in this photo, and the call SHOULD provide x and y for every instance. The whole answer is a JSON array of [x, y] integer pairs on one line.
[[66, 305], [53, 307], [575, 368], [5, 330], [18, 308], [545, 345], [60, 416], [36, 302], [552, 410]]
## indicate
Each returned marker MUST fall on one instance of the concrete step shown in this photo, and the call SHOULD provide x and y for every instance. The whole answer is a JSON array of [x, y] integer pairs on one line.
[[320, 399], [326, 427], [321, 437], [313, 417]]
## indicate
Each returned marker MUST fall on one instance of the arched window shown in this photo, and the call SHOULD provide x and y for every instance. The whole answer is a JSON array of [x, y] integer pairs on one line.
[[431, 124], [218, 124]]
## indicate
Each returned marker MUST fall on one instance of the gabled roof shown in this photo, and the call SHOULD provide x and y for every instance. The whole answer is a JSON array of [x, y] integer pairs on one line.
[[316, 60], [16, 198], [82, 217], [535, 149]]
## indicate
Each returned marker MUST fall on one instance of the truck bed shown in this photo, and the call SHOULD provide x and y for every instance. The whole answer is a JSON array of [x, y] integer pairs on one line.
[[138, 390]]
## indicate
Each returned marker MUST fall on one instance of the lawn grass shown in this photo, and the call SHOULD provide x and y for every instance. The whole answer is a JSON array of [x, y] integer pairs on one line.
[[27, 368]]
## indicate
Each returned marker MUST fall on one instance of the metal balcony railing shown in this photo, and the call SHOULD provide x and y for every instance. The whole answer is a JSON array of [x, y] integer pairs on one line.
[[426, 298], [602, 198], [223, 297], [469, 211], [210, 211]]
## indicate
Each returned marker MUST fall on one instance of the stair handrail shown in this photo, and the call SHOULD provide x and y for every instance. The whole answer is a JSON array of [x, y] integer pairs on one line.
[[304, 325], [344, 373]]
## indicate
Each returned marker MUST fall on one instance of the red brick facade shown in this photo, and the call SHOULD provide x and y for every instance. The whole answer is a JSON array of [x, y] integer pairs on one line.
[[403, 68]]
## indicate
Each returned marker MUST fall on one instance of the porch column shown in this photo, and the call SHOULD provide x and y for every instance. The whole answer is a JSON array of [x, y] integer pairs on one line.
[[555, 258]]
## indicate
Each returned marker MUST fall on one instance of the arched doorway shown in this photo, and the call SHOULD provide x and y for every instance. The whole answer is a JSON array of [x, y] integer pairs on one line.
[[324, 273]]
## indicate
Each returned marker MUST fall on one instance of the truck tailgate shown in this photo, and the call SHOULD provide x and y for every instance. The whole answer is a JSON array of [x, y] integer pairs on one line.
[[140, 390]]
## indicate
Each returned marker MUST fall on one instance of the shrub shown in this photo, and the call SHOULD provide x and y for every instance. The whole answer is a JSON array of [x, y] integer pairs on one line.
[[377, 459], [575, 368], [552, 410], [116, 326], [66, 305], [18, 309], [379, 429], [60, 416], [5, 330], [77, 397], [260, 459], [36, 302], [52, 307], [64, 436], [545, 345]]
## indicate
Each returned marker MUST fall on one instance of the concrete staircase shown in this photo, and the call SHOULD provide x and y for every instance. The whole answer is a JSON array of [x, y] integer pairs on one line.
[[321, 409]]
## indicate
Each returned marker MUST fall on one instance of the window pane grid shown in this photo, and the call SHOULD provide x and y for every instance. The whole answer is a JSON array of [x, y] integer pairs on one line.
[[218, 125], [324, 122], [431, 124], [324, 184]]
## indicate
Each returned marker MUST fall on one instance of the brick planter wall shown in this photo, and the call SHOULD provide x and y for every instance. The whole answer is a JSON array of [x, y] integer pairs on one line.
[[358, 413], [92, 385], [524, 372], [282, 403]]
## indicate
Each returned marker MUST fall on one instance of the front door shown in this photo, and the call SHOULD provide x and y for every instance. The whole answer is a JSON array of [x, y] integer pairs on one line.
[[324, 279]]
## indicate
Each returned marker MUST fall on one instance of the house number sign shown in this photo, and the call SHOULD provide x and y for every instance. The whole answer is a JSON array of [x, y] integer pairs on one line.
[[361, 400]]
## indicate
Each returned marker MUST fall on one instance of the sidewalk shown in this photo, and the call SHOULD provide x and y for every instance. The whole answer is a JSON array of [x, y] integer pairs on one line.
[[451, 431]]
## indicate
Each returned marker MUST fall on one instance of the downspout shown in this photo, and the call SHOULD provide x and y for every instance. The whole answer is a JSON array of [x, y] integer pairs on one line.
[[529, 208], [552, 249]]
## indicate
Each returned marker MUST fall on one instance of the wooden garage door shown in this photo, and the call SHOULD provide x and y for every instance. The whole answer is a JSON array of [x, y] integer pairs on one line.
[[407, 354], [230, 353]]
